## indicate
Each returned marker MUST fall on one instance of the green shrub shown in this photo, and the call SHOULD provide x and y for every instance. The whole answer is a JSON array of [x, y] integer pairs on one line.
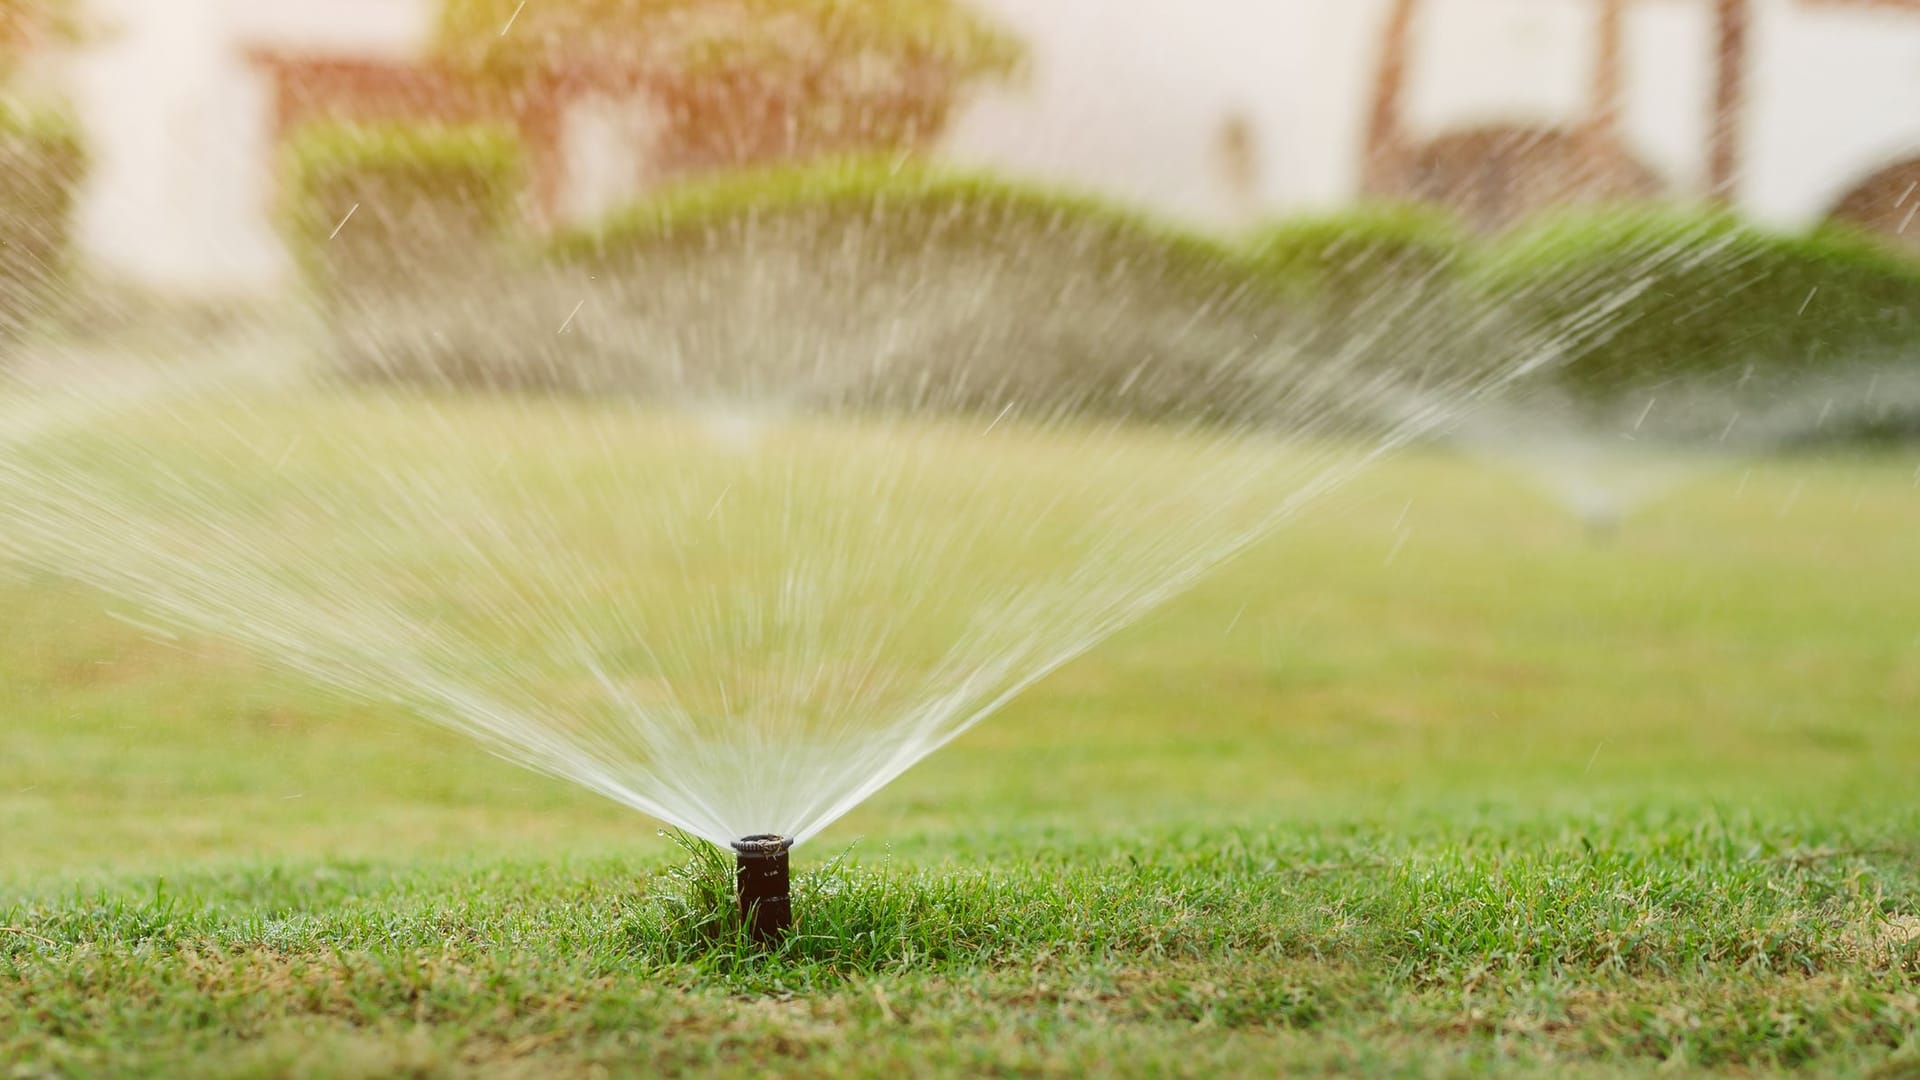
[[1635, 299], [42, 162], [381, 201], [886, 283], [907, 206], [401, 233], [871, 283], [1387, 288], [1355, 253], [864, 282]]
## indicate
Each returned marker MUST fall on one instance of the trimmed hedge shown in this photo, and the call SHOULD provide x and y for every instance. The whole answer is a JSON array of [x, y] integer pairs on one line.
[[402, 235], [1644, 297], [884, 283], [416, 195], [879, 282], [1387, 287], [916, 203], [42, 162], [1356, 252]]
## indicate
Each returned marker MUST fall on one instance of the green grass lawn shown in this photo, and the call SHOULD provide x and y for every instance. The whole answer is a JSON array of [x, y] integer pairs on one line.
[[1428, 784]]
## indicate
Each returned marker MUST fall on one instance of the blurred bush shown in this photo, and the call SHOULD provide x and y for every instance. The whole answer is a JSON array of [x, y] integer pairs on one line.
[[1352, 254], [42, 163], [1386, 286], [1635, 298], [881, 282], [402, 234]]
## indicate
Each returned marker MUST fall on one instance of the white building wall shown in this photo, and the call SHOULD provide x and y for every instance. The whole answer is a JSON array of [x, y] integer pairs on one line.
[[1485, 61], [1669, 78], [1334, 87], [1834, 95], [1134, 87], [180, 192], [1130, 97], [1129, 94]]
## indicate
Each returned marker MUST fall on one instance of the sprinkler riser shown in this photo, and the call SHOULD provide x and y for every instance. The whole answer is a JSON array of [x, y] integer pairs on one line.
[[762, 879]]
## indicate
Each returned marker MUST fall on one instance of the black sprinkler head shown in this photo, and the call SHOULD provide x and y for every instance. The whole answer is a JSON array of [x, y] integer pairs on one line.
[[761, 881]]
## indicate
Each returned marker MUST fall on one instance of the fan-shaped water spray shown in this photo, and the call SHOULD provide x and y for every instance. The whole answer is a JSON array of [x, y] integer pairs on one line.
[[828, 504], [1604, 460], [1684, 344]]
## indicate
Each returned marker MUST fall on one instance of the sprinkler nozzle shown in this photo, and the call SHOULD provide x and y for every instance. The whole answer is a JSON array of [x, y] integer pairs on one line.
[[761, 881]]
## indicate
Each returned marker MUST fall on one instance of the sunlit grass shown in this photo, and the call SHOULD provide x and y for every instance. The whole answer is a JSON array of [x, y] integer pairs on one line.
[[1427, 783], [1715, 942]]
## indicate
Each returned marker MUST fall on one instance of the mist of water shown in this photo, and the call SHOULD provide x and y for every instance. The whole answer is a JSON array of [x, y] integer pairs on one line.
[[737, 535], [1603, 462], [796, 516]]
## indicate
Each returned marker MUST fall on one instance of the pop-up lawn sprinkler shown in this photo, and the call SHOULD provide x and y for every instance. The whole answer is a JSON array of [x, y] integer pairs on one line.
[[761, 881]]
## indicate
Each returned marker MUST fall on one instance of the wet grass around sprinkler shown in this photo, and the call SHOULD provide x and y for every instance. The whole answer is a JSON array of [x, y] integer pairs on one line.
[[1593, 947], [1430, 785]]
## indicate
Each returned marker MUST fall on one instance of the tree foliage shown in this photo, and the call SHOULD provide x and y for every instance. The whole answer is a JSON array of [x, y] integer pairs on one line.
[[747, 81], [25, 24], [853, 40]]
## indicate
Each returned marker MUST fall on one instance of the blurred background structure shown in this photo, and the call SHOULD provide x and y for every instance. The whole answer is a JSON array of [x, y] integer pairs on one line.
[[1794, 111]]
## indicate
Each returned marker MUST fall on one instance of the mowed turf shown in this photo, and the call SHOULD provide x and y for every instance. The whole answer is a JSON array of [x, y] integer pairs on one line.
[[1430, 783]]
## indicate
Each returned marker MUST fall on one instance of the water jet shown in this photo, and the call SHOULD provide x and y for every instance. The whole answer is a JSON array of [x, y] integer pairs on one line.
[[743, 578], [761, 881]]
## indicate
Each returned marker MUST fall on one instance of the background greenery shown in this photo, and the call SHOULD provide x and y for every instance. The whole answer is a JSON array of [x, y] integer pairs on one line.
[[1691, 294], [41, 164], [1631, 302]]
